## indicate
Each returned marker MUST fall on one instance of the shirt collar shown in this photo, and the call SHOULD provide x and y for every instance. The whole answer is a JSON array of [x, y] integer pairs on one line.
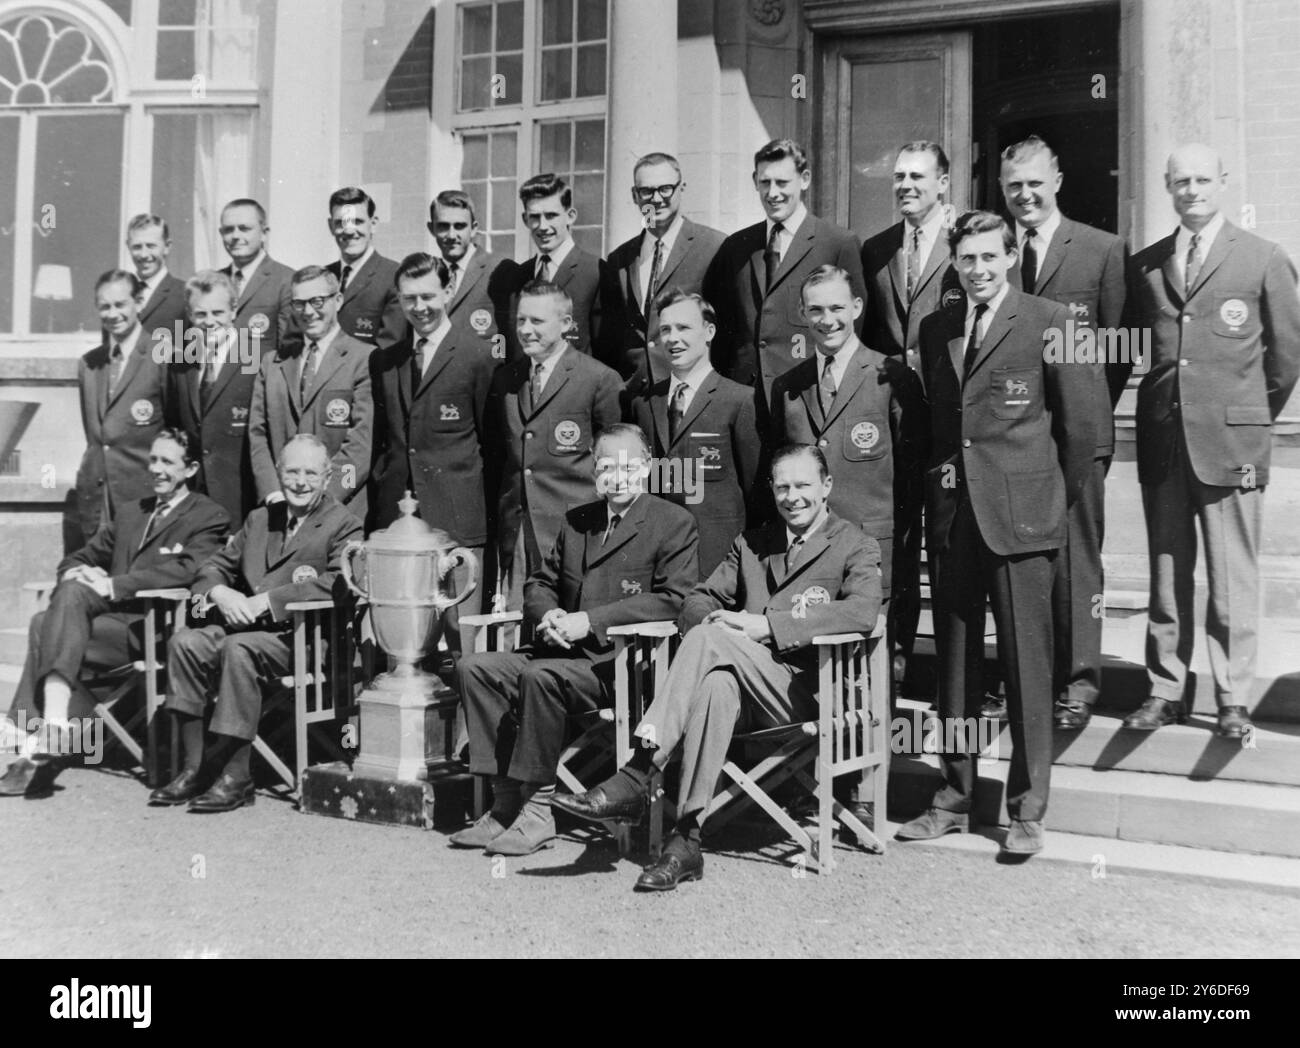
[[930, 228], [791, 225], [559, 254], [325, 341], [151, 285], [668, 239], [790, 536], [465, 259], [548, 365], [1042, 233], [435, 338], [840, 359], [1211, 230], [694, 378], [994, 303], [250, 268], [178, 496], [128, 344], [358, 265]]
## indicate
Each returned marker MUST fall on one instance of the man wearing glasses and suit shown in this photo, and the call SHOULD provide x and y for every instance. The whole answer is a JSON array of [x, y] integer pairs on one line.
[[671, 252]]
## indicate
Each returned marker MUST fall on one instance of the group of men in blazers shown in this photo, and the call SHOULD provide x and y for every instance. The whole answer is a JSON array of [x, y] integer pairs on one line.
[[913, 369]]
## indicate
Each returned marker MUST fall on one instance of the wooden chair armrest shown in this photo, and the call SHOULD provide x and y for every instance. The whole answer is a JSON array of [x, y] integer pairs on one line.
[[831, 639], [662, 628], [163, 594], [310, 605], [495, 618]]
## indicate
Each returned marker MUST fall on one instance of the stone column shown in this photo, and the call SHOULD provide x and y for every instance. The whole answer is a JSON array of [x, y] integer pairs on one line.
[[642, 113]]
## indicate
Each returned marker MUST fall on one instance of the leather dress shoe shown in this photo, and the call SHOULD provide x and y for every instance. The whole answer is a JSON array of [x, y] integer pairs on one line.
[[595, 805], [185, 787], [226, 794], [480, 833], [1072, 714], [1155, 713], [1234, 722], [934, 823], [681, 860], [30, 778], [530, 832], [994, 708], [1025, 837]]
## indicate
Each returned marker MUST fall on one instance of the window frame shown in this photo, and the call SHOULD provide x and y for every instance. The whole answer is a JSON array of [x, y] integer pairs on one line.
[[527, 116]]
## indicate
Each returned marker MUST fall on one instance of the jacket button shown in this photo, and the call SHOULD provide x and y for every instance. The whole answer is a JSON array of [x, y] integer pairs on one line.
[[1183, 363], [762, 344], [965, 443], [1174, 404], [528, 472], [1186, 319], [823, 443], [528, 435]]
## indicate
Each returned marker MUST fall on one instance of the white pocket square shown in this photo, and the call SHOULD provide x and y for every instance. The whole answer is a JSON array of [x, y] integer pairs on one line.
[[173, 550]]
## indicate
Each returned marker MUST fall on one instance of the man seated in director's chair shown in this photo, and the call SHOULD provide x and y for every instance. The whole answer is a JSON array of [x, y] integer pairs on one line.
[[286, 552], [746, 657], [92, 621]]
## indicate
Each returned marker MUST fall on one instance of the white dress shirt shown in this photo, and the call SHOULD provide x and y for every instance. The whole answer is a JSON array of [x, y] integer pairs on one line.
[[1183, 241]]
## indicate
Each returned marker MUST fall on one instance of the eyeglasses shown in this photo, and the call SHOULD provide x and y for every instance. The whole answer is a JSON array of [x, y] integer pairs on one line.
[[300, 305], [646, 194]]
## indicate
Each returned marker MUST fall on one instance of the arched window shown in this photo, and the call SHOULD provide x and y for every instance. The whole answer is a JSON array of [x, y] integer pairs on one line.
[[61, 137], [109, 108]]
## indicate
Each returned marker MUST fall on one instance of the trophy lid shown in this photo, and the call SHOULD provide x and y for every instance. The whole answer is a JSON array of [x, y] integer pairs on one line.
[[410, 534]]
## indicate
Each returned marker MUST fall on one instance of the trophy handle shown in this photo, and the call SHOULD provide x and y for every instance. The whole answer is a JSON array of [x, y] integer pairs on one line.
[[345, 566], [460, 555]]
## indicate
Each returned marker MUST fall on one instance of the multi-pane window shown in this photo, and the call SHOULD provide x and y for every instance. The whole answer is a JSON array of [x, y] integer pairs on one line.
[[575, 150], [492, 55], [215, 39], [574, 49], [530, 98], [64, 122], [489, 176]]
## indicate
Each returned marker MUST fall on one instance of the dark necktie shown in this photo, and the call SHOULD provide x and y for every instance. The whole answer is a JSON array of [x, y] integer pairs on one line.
[[914, 265], [655, 264], [207, 376], [155, 519], [291, 528], [1029, 262], [116, 363], [343, 279], [792, 553], [237, 278], [308, 370], [535, 383], [1193, 265], [826, 387], [973, 343], [417, 363], [676, 411], [613, 523], [772, 256], [543, 264], [454, 271]]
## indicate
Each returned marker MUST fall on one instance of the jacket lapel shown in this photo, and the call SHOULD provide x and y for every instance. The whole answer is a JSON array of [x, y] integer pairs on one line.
[[441, 359], [816, 545], [999, 328], [1055, 253], [334, 359], [476, 272], [854, 375], [800, 246], [403, 366], [628, 528], [130, 368], [1219, 251], [224, 376], [559, 376], [680, 250], [659, 409], [168, 522], [699, 402], [360, 278], [251, 281], [1173, 283], [898, 270]]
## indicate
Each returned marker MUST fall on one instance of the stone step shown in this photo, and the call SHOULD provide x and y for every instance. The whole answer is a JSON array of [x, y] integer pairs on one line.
[[1193, 750], [1133, 806]]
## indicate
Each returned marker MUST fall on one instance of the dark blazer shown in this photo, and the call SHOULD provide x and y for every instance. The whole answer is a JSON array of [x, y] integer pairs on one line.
[[371, 311], [165, 308], [481, 304], [685, 267], [119, 428], [1086, 270], [541, 463], [186, 537], [1016, 435], [765, 335], [220, 421], [719, 438], [834, 588], [1224, 362], [434, 438], [590, 282], [891, 325], [258, 560], [642, 574], [877, 432], [338, 409], [264, 305]]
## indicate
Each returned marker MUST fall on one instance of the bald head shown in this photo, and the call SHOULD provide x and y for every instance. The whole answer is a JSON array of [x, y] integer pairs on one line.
[[1195, 179]]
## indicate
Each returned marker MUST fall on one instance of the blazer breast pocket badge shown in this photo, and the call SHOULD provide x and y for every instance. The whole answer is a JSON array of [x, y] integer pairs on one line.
[[337, 412], [448, 413], [630, 587], [142, 412]]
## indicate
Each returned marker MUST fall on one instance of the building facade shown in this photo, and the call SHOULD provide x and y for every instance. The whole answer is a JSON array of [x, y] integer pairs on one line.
[[109, 108]]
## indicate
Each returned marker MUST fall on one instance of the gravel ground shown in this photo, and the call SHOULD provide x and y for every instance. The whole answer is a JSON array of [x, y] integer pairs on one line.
[[93, 871]]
